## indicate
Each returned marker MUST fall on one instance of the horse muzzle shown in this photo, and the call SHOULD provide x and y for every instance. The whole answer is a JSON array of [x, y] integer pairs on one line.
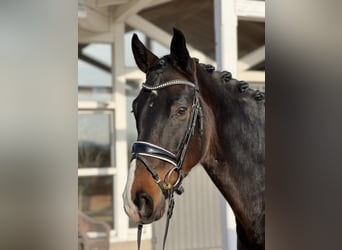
[[147, 212], [139, 204], [143, 211]]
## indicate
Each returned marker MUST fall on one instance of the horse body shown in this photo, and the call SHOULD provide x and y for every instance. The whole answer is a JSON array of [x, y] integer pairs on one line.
[[231, 149], [236, 163]]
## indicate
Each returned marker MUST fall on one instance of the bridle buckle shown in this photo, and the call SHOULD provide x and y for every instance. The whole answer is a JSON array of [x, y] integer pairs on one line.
[[167, 186]]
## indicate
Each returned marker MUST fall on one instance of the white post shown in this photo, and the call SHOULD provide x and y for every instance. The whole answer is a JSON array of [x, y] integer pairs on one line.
[[121, 223], [226, 58]]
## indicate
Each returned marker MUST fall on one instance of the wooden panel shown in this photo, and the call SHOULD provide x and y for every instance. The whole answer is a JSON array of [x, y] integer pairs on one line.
[[196, 218]]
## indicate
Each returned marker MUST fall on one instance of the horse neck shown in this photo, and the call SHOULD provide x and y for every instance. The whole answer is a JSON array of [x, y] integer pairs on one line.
[[235, 159]]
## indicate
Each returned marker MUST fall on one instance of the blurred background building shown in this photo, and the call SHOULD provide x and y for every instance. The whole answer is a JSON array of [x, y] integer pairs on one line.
[[229, 34]]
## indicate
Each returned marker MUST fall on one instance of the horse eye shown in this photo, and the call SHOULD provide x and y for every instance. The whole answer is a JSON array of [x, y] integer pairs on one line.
[[182, 110]]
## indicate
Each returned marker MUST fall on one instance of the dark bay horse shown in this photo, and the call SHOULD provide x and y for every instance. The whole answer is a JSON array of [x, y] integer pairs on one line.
[[188, 113]]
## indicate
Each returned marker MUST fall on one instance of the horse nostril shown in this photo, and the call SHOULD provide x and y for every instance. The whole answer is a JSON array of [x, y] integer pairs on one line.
[[144, 203], [144, 199]]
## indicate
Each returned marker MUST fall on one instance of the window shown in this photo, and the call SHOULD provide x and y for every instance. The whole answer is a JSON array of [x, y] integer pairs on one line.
[[95, 197], [94, 72], [106, 130], [96, 133], [96, 164]]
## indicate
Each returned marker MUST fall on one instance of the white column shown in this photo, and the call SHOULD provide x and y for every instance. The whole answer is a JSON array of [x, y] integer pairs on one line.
[[120, 218], [226, 58]]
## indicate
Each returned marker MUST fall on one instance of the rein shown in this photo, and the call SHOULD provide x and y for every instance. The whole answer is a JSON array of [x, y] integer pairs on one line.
[[140, 149]]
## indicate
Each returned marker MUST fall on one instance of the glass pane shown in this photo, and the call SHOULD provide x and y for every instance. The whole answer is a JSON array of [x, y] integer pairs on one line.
[[95, 198], [99, 51], [94, 140], [91, 76], [95, 94], [95, 72]]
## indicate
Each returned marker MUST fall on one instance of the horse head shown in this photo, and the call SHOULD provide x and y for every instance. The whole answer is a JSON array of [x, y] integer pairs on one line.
[[168, 120]]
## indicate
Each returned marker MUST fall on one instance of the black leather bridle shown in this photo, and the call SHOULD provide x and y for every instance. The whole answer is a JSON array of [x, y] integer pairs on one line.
[[140, 149]]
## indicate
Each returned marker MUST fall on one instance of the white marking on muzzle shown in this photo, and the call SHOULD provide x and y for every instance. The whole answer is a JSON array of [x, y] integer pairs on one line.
[[130, 208]]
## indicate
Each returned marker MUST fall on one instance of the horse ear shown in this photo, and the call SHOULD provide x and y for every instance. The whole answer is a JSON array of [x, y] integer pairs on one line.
[[143, 57], [179, 52]]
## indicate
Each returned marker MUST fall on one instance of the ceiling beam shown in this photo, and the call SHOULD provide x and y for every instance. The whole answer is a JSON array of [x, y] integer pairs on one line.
[[93, 20], [81, 46], [132, 73], [149, 29], [251, 10], [85, 36], [122, 12], [253, 58], [162, 37], [158, 2], [105, 3], [93, 61]]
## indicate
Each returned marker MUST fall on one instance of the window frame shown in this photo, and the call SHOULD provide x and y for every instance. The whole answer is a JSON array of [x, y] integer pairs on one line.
[[115, 170]]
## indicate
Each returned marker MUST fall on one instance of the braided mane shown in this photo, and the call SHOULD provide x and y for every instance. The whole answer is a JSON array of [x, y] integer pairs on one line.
[[238, 144], [224, 78]]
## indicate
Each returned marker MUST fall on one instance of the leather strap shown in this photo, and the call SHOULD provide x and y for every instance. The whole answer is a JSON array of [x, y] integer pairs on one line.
[[168, 218], [149, 149], [140, 226]]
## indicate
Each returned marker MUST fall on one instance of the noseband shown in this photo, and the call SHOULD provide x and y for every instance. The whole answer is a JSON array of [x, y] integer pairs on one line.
[[141, 149]]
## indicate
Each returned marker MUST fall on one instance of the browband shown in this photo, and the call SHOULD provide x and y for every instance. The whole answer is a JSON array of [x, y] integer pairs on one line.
[[169, 83]]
